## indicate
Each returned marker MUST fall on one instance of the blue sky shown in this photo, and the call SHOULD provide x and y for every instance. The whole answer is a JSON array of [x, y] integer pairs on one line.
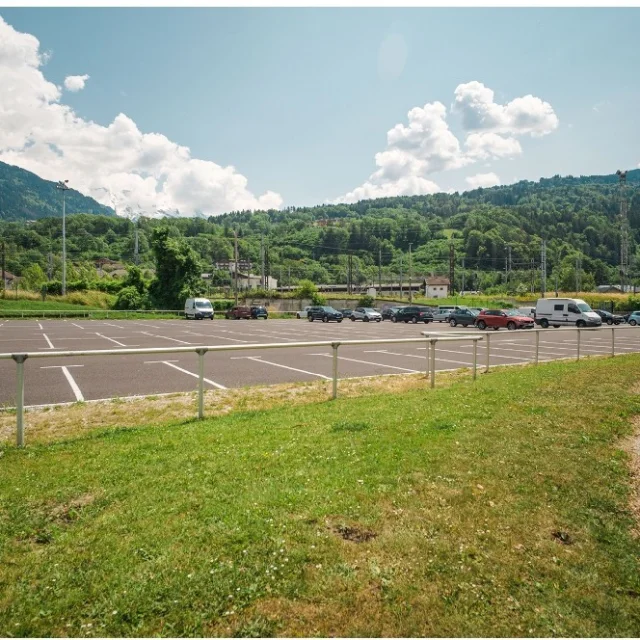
[[299, 101]]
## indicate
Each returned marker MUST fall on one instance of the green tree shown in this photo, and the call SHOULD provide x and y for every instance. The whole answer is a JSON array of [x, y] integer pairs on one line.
[[33, 277], [178, 273]]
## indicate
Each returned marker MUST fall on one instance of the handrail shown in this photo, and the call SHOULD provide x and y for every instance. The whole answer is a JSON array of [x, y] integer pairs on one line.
[[20, 358]]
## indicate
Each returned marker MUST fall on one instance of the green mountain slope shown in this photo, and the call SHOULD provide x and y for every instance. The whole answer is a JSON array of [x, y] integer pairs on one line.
[[25, 196]]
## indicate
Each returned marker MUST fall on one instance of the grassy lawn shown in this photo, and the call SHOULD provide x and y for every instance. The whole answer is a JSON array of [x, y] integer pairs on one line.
[[498, 508]]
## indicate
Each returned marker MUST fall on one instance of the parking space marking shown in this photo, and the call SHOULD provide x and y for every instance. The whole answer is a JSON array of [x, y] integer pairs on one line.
[[115, 341], [211, 335], [283, 366], [373, 364], [146, 333], [169, 363], [117, 326], [423, 358], [493, 355], [76, 325], [48, 342], [40, 327], [72, 383], [153, 326]]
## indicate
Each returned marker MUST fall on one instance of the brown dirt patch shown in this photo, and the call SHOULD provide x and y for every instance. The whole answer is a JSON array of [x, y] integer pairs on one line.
[[632, 446]]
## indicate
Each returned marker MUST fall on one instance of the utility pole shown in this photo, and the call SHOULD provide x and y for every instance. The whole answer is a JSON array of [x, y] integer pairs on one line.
[[463, 276], [4, 259], [135, 244], [379, 270], [400, 276], [533, 275], [262, 280], [452, 267], [543, 269], [578, 273], [62, 186], [235, 273], [624, 229], [410, 275]]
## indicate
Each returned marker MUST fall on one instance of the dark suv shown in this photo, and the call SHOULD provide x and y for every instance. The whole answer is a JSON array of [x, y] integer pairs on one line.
[[465, 317], [259, 312], [389, 312], [412, 314], [325, 314]]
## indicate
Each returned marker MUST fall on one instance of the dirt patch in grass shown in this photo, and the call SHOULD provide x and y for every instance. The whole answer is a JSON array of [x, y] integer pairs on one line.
[[352, 532]]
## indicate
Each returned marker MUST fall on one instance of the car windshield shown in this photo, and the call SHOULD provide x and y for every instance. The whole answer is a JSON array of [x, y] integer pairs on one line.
[[329, 309], [203, 304], [369, 310], [583, 306], [513, 312]]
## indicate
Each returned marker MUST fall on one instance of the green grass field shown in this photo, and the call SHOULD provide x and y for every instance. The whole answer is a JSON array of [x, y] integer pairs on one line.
[[499, 508]]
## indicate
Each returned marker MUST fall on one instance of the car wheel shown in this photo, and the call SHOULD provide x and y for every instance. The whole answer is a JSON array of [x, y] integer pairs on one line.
[[394, 319], [511, 326], [452, 322], [609, 321], [365, 319], [310, 318], [580, 324], [544, 323], [414, 320], [378, 319], [353, 319], [339, 321], [325, 319], [633, 323], [482, 325]]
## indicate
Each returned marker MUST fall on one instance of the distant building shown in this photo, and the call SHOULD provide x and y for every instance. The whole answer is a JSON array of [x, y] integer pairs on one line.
[[616, 288], [246, 279], [9, 279], [436, 287]]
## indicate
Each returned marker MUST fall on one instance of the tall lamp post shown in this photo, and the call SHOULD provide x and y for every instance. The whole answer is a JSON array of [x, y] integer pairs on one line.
[[62, 186]]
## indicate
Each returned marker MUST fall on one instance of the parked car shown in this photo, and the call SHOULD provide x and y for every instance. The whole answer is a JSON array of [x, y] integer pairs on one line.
[[259, 312], [198, 309], [326, 314], [498, 318], [634, 318], [237, 313], [366, 314], [389, 312], [465, 317], [303, 313], [346, 313], [444, 312], [609, 318], [567, 312], [412, 314]]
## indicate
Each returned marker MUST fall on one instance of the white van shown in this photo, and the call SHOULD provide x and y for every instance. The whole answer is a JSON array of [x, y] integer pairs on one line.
[[567, 312], [198, 308]]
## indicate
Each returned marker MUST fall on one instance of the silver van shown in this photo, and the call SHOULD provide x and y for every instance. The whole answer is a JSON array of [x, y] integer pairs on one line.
[[198, 309], [444, 311]]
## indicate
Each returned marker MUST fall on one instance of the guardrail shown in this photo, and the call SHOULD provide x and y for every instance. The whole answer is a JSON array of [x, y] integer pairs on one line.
[[542, 332], [431, 342]]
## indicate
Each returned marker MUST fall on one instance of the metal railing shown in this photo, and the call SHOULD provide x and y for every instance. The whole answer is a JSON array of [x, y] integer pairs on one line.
[[431, 342]]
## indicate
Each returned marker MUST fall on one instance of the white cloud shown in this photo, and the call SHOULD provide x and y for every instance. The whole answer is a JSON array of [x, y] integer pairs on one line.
[[426, 145], [518, 117], [483, 180], [75, 83], [117, 164]]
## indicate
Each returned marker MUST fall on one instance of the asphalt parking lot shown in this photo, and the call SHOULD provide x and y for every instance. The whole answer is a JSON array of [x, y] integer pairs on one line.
[[61, 380]]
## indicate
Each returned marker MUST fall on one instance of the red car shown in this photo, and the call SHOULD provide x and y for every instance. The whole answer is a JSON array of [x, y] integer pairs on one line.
[[496, 318]]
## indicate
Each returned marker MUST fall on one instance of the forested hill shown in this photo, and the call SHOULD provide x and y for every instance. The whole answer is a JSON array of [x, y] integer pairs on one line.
[[25, 196], [577, 216]]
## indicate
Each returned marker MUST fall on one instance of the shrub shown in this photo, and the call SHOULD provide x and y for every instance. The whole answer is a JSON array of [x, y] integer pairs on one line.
[[366, 301], [129, 298]]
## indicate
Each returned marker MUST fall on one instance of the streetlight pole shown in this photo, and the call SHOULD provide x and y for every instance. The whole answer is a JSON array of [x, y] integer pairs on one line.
[[62, 186]]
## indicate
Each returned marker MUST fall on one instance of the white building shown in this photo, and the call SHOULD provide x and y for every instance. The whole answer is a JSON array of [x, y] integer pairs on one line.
[[436, 287]]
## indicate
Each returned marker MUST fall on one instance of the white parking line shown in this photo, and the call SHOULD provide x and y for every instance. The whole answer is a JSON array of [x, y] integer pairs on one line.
[[48, 341], [374, 364], [146, 333], [77, 325], [144, 324], [169, 363], [117, 326], [115, 341], [210, 335], [423, 358], [72, 383], [283, 366], [40, 327]]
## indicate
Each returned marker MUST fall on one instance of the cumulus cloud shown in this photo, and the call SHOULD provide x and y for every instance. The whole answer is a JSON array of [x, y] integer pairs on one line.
[[75, 83], [116, 164], [426, 145], [483, 180]]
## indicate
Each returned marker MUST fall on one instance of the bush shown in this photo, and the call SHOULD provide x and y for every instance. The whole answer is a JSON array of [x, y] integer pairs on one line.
[[366, 301], [109, 286], [129, 298], [306, 289], [318, 300]]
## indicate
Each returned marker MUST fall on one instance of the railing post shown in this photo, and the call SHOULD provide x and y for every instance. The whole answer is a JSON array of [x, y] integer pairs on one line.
[[334, 346], [428, 351], [19, 359], [475, 359], [613, 342], [433, 362], [537, 345], [578, 344], [201, 353], [486, 368]]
